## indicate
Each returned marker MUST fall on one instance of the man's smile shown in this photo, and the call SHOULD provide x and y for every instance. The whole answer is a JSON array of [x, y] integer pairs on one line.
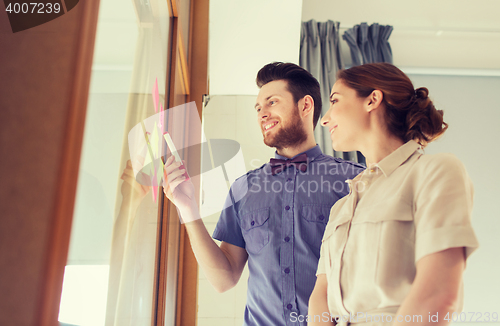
[[270, 125]]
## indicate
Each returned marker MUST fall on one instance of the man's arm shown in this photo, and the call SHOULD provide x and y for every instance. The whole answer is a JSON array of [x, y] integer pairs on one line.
[[222, 265]]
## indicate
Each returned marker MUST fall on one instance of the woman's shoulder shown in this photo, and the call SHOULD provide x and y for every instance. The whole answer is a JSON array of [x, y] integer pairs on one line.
[[440, 161], [442, 166]]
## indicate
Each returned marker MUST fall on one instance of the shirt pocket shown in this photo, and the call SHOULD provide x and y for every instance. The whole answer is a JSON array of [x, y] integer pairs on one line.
[[332, 239], [314, 218], [386, 233], [255, 227]]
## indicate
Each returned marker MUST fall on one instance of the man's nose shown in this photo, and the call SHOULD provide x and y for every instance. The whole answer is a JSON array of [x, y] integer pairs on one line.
[[263, 114]]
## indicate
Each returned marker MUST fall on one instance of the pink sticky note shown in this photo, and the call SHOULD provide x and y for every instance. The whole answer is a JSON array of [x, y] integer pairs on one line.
[[155, 193], [156, 96], [161, 118], [154, 185]]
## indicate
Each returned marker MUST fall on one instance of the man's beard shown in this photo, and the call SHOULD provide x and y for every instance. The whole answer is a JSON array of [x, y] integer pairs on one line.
[[290, 136]]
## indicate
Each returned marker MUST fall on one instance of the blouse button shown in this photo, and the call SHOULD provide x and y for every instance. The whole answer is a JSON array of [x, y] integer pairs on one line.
[[287, 239], [289, 306], [287, 207], [252, 223], [287, 270]]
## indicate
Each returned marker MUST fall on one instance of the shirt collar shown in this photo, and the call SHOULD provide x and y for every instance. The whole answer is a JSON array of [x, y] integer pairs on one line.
[[392, 161], [311, 153]]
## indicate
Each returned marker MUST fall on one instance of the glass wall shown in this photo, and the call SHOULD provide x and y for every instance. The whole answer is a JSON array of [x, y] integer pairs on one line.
[[109, 277]]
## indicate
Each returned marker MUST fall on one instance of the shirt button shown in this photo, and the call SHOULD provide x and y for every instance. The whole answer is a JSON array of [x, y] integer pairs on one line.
[[321, 217], [287, 239], [287, 207], [289, 306], [287, 270], [252, 223]]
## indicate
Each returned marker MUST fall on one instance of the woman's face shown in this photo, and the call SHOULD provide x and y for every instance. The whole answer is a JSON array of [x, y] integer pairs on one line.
[[346, 119]]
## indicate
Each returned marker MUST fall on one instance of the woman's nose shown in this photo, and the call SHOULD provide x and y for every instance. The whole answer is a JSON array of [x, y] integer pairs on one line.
[[324, 120]]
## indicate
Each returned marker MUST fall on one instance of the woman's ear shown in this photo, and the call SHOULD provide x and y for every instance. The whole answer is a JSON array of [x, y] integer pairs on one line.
[[375, 100]]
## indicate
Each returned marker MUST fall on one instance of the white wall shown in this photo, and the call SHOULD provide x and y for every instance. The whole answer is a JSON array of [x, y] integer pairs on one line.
[[472, 111], [246, 35]]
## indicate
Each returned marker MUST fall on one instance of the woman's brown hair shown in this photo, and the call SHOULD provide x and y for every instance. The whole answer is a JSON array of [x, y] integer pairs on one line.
[[409, 113]]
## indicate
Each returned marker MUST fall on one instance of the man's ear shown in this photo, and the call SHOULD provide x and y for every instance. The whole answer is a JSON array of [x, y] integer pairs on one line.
[[374, 100], [306, 106]]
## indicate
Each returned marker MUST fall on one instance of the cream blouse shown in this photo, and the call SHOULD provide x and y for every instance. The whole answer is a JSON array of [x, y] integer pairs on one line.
[[405, 207]]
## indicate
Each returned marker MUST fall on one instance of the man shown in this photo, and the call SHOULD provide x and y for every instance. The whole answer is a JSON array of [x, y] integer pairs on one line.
[[278, 223]]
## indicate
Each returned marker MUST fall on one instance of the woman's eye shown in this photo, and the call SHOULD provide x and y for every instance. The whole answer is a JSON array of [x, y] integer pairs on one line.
[[272, 102], [333, 101]]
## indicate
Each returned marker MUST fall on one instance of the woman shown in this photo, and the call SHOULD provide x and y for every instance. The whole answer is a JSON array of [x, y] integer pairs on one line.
[[394, 249]]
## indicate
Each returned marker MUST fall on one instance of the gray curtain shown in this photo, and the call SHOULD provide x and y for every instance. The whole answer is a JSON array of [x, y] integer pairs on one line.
[[320, 55], [369, 43]]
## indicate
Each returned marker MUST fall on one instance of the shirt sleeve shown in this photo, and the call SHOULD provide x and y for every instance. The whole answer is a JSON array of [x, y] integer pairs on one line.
[[228, 227], [443, 207], [321, 263]]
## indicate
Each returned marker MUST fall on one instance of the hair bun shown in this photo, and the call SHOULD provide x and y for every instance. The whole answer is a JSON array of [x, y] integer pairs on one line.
[[425, 123], [422, 93], [408, 112], [422, 99]]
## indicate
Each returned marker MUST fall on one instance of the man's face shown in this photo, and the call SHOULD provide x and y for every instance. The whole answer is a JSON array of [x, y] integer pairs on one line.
[[278, 116]]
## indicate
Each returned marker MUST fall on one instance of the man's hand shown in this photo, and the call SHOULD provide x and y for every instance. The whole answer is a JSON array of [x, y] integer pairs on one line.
[[222, 265], [178, 189]]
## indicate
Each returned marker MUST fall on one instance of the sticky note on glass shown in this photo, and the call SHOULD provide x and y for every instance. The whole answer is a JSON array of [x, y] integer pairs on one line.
[[156, 95]]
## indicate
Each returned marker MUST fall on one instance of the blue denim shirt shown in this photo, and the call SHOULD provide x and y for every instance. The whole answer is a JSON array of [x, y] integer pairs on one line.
[[280, 221]]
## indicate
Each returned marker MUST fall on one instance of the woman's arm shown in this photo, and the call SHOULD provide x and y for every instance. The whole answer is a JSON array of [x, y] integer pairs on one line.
[[318, 305], [435, 289]]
